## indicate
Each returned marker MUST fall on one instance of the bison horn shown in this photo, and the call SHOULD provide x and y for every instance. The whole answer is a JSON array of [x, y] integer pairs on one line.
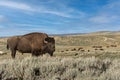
[[46, 40]]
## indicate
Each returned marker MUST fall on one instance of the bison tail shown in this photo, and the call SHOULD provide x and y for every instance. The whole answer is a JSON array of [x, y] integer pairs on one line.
[[7, 46]]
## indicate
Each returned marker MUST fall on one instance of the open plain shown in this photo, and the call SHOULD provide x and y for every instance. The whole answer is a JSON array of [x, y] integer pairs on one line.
[[93, 56]]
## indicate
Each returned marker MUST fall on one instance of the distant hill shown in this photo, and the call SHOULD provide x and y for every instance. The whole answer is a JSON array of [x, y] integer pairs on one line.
[[94, 38], [66, 34], [91, 33], [77, 34], [105, 33]]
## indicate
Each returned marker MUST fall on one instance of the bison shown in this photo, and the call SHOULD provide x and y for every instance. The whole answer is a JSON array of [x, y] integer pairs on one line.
[[35, 43]]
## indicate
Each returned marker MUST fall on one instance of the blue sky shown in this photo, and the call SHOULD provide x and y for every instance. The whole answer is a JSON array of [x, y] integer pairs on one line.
[[58, 16]]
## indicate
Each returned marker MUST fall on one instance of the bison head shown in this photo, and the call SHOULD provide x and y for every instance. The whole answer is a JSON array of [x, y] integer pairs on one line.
[[49, 46]]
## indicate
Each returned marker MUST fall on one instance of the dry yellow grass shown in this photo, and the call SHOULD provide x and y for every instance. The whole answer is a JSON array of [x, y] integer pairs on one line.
[[56, 68], [65, 45], [68, 62]]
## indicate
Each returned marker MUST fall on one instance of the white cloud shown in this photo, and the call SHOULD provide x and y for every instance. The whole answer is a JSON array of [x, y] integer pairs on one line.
[[104, 19], [1, 27], [100, 19], [2, 18], [41, 9], [16, 5], [113, 4], [57, 13], [109, 13]]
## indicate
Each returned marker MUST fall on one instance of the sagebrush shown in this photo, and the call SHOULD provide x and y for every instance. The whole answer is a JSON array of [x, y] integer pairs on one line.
[[56, 68]]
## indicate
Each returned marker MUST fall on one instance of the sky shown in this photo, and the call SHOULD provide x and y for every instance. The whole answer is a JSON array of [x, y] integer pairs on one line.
[[19, 17]]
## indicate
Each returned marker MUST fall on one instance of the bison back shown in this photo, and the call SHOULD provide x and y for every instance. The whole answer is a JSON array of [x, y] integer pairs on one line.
[[36, 39]]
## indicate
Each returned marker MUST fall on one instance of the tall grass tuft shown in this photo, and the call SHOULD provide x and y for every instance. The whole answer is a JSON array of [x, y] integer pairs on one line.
[[56, 68]]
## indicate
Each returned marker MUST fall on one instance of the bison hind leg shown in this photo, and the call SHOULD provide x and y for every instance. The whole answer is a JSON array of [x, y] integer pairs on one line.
[[13, 53], [22, 53]]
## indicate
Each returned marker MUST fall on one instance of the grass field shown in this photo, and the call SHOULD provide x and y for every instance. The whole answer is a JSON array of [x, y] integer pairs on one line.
[[75, 58]]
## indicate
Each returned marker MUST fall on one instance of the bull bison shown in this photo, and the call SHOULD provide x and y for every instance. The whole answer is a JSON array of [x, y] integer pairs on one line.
[[35, 43]]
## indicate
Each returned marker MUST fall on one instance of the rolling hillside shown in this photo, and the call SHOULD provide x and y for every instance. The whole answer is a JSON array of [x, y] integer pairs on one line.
[[96, 38], [74, 59]]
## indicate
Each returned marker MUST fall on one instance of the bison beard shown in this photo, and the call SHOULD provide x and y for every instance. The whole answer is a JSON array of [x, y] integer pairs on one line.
[[35, 43]]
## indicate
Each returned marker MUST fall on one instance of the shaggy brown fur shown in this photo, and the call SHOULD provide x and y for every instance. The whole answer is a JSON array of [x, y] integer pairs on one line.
[[35, 43]]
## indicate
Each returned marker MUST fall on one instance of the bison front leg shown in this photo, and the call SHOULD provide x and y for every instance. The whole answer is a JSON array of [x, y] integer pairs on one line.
[[35, 53], [51, 54], [13, 53]]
